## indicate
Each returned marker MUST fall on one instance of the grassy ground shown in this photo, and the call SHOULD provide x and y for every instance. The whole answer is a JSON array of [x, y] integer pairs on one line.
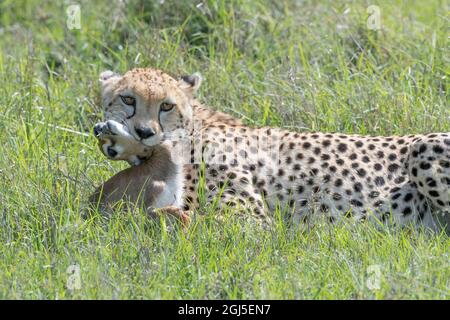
[[301, 65]]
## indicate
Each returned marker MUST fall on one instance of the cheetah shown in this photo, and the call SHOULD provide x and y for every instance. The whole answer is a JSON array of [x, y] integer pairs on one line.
[[396, 179]]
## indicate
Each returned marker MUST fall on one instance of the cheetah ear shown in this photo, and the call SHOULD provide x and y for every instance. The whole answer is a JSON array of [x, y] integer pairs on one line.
[[191, 83], [108, 75]]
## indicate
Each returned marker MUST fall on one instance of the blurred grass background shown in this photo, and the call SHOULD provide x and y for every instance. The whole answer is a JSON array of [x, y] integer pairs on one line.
[[302, 65]]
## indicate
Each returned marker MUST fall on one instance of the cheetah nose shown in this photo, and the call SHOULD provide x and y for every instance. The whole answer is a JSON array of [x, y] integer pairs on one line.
[[145, 133]]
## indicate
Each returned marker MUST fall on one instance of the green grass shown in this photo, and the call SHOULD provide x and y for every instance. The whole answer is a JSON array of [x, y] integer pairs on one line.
[[301, 65]]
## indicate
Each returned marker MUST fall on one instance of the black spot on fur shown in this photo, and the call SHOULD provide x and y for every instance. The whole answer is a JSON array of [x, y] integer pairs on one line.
[[356, 203], [407, 211], [358, 187], [438, 149], [379, 181], [342, 147], [361, 172], [431, 182], [374, 194], [433, 193], [422, 148], [425, 165], [408, 197], [337, 196], [377, 166], [393, 167]]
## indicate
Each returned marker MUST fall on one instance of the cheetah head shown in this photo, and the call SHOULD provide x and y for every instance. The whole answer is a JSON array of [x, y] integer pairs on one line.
[[149, 103]]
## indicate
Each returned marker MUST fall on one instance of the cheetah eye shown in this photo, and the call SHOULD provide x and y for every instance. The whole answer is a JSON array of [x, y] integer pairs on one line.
[[129, 101], [165, 106]]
